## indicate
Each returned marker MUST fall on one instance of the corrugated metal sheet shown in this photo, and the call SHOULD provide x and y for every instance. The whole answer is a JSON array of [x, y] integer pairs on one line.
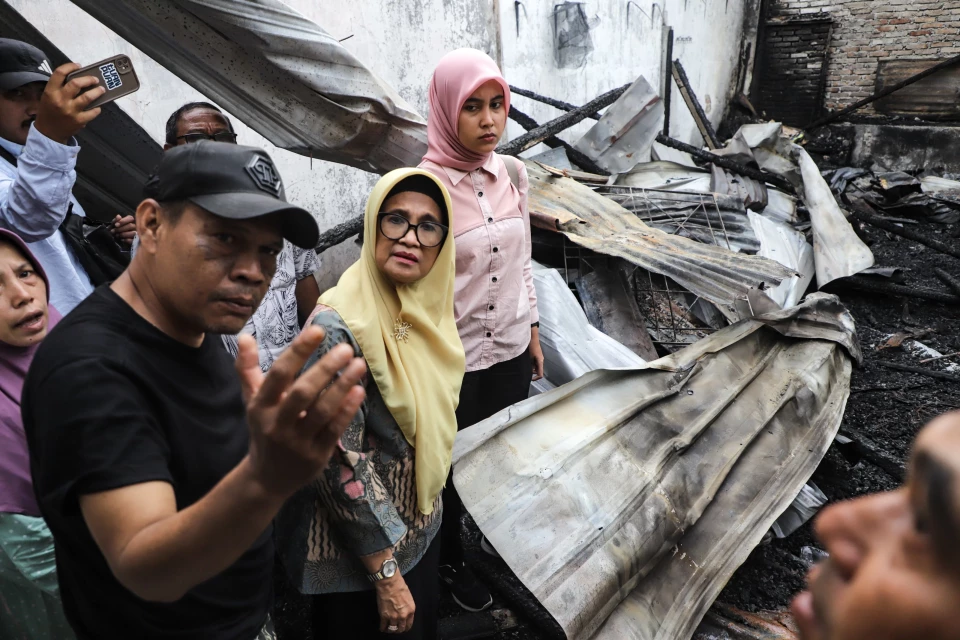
[[933, 98], [278, 72], [598, 223], [626, 499]]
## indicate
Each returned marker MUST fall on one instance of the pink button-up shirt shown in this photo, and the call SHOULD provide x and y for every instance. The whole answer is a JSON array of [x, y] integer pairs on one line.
[[495, 301]]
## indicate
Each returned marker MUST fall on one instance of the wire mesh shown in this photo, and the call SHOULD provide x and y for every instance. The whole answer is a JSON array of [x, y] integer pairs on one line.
[[706, 217], [669, 309]]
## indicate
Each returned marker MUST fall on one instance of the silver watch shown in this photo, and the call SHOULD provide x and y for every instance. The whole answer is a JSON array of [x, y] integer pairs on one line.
[[387, 570]]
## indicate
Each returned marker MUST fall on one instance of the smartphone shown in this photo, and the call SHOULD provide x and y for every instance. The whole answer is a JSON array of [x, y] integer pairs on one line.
[[115, 74]]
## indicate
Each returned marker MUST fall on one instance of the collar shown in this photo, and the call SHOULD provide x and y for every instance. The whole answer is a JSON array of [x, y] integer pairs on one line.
[[491, 166], [14, 148]]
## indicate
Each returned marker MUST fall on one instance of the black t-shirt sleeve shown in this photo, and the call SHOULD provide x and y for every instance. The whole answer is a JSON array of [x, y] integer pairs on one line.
[[90, 429]]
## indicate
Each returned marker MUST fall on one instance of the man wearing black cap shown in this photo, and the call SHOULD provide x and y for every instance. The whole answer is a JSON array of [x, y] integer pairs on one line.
[[157, 468], [39, 115], [293, 293]]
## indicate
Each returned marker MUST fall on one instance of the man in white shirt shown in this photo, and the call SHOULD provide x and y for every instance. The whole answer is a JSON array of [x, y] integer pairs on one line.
[[39, 115]]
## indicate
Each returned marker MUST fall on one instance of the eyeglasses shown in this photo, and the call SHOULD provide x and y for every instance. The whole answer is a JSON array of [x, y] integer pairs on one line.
[[220, 136], [429, 234]]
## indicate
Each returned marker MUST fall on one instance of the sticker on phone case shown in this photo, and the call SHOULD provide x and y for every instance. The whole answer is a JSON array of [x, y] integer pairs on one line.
[[110, 76]]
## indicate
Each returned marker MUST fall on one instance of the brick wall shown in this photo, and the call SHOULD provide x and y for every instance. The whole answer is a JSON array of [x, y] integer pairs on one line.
[[866, 31], [789, 71]]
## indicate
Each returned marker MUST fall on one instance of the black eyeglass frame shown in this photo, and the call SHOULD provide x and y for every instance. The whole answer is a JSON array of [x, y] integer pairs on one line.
[[416, 229], [231, 137]]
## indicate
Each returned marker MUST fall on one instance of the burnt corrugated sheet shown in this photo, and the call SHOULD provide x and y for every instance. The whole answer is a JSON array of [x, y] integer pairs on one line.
[[936, 97], [598, 223], [281, 74], [626, 499]]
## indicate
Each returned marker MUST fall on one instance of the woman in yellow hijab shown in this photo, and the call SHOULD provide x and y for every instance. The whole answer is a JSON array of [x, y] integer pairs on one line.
[[363, 537]]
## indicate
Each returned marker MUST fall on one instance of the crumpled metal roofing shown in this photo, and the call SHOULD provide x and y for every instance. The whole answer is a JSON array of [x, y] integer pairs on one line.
[[600, 224], [278, 72], [626, 499]]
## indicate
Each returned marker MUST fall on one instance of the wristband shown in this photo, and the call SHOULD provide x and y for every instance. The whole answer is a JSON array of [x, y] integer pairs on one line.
[[535, 325]]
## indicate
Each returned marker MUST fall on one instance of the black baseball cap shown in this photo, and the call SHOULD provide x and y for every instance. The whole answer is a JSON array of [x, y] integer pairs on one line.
[[230, 181], [21, 63]]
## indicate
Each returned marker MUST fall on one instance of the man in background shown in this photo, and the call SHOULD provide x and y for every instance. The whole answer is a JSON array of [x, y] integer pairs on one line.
[[293, 292]]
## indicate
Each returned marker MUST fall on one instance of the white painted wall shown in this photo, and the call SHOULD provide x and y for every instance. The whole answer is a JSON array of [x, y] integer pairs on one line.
[[401, 40], [707, 36]]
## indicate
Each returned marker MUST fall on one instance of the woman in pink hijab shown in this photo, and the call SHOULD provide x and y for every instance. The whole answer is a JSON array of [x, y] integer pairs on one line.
[[495, 301]]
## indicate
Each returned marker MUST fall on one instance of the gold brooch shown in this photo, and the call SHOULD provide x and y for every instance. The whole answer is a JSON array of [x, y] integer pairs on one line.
[[401, 330]]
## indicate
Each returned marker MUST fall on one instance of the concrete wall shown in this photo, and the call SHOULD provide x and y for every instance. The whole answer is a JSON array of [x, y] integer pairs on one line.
[[401, 40], [708, 36], [867, 31]]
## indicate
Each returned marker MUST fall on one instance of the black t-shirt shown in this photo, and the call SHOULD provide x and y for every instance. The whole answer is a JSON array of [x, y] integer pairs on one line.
[[111, 401]]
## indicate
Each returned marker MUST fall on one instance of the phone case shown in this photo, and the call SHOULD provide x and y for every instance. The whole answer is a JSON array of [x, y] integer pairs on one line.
[[116, 74]]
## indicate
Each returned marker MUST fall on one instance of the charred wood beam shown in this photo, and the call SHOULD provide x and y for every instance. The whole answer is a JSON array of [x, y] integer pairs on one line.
[[564, 122], [519, 599], [696, 110], [873, 453], [868, 285], [336, 235], [862, 213], [940, 375], [668, 86], [726, 163], [949, 280], [882, 94], [558, 104], [577, 157]]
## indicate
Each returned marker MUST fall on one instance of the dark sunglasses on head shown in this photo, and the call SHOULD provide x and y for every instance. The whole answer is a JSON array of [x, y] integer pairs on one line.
[[394, 226], [220, 136]]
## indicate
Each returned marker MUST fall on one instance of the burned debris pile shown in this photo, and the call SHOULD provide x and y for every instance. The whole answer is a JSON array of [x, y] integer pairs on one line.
[[654, 258]]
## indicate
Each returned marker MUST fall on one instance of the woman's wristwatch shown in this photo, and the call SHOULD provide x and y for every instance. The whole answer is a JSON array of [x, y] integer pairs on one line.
[[387, 570], [535, 325]]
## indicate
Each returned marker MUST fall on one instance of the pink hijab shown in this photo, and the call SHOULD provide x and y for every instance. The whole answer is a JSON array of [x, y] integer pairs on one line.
[[457, 76]]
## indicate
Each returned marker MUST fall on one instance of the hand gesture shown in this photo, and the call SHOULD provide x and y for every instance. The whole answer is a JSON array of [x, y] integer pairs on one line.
[[61, 114], [296, 422]]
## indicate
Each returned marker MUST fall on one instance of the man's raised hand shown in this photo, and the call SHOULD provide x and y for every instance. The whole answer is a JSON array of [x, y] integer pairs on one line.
[[296, 422]]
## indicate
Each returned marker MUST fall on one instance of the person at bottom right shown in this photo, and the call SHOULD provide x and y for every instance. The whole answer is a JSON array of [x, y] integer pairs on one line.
[[894, 567]]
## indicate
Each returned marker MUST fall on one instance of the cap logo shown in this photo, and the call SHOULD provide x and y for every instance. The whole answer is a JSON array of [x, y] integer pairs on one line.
[[45, 67], [265, 176]]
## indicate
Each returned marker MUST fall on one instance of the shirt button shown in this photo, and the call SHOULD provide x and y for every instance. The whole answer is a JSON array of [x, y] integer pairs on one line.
[[489, 334], [491, 307], [496, 249], [494, 278], [489, 219], [480, 194]]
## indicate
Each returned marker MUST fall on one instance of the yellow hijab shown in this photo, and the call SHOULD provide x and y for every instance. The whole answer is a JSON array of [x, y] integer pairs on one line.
[[419, 378]]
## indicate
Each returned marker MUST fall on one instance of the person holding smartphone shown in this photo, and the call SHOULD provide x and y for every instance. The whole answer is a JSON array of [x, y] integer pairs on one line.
[[40, 112]]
